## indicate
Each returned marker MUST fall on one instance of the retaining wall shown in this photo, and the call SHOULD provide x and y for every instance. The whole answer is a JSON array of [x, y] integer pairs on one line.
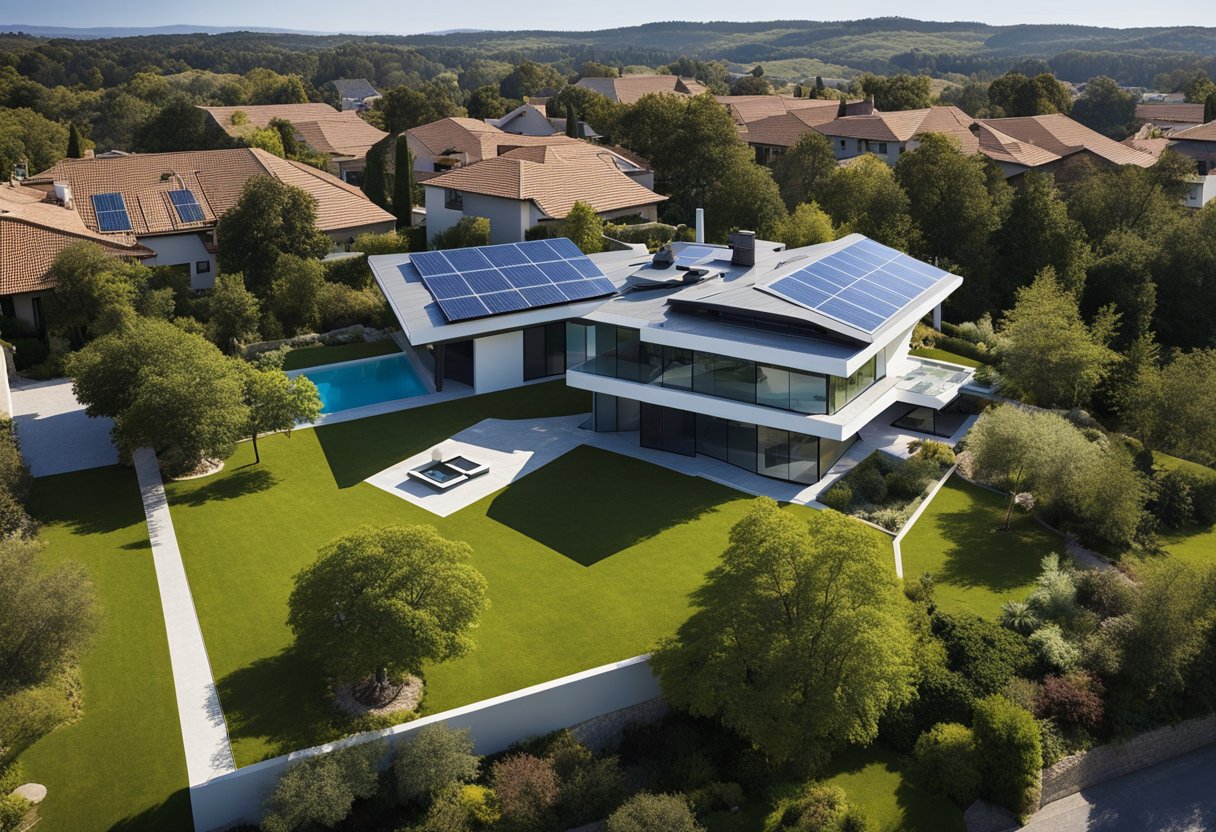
[[1106, 762], [596, 696]]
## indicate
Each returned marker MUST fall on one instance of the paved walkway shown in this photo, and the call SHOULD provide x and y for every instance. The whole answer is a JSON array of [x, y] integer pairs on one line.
[[55, 434], [204, 732], [1178, 795]]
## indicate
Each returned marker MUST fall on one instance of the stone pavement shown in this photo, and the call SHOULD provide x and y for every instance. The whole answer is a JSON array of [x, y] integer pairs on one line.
[[55, 434]]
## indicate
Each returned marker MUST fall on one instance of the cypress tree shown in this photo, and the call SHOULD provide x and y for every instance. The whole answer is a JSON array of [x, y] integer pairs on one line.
[[403, 183], [75, 151], [1209, 108], [571, 121], [375, 185]]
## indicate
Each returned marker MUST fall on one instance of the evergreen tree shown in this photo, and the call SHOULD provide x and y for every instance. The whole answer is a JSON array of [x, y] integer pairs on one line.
[[403, 183], [374, 183], [1209, 108], [75, 151], [571, 121]]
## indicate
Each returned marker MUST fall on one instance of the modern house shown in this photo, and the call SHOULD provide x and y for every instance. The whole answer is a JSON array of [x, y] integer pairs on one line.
[[1199, 143], [343, 136], [529, 185], [35, 226], [766, 359], [530, 120], [354, 93], [1170, 117], [170, 202], [628, 89]]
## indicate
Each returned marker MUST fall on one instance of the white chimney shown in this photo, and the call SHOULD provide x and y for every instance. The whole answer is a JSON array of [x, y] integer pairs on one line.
[[700, 225], [63, 193]]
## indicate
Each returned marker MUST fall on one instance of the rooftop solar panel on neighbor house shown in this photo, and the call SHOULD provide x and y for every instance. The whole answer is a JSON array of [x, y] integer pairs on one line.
[[188, 209], [493, 280], [111, 212], [863, 286]]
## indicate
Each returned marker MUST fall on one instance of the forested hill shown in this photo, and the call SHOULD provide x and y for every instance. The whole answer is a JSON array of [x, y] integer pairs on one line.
[[787, 48]]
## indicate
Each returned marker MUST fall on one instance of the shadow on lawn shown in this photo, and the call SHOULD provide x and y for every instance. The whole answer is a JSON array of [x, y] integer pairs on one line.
[[244, 480], [96, 501], [590, 504], [174, 813], [982, 555]]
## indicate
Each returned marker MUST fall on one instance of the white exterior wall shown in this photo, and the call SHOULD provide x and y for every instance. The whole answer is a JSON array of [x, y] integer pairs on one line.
[[23, 305], [1200, 191], [509, 218], [857, 147], [498, 361], [176, 249], [529, 122], [494, 724], [438, 218]]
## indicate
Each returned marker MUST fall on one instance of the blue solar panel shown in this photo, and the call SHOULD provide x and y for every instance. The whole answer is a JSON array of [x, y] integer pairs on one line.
[[111, 212], [864, 285], [188, 209], [492, 280]]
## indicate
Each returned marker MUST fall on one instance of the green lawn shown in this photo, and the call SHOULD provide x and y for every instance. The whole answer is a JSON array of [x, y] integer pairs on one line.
[[933, 353], [121, 766], [1196, 545], [876, 782], [589, 560], [315, 356], [976, 567]]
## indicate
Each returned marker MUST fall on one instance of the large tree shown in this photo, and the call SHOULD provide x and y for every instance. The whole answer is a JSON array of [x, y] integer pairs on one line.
[[95, 292], [295, 293], [1107, 108], [270, 219], [278, 402], [1038, 232], [486, 102], [529, 78], [864, 197], [1015, 94], [803, 171], [403, 183], [897, 92], [382, 602], [165, 388], [1171, 408], [806, 225], [405, 107], [799, 639], [233, 313]]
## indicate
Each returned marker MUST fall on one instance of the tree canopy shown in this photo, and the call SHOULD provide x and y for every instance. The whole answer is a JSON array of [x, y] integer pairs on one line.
[[277, 402], [270, 219], [1107, 108], [897, 92], [804, 169], [865, 198]]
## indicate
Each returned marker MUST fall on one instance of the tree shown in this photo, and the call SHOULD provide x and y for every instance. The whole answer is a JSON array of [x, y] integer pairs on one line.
[[817, 807], [166, 389], [270, 219], [799, 636], [1010, 753], [403, 183], [529, 78], [584, 228], [1172, 408], [803, 171], [946, 761], [527, 788], [233, 313], [590, 106], [27, 136], [1120, 276], [95, 292], [383, 601], [485, 102], [277, 402], [437, 757], [179, 125], [865, 198], [75, 142], [897, 92], [1016, 94], [654, 813], [1209, 107], [405, 108], [374, 182], [1048, 353], [806, 226], [467, 232], [1107, 108], [571, 121], [266, 139], [749, 194], [295, 293], [751, 85], [287, 135], [319, 791]]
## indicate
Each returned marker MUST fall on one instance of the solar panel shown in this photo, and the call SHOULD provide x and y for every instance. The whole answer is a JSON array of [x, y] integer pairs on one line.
[[111, 212], [493, 280], [864, 285], [188, 209]]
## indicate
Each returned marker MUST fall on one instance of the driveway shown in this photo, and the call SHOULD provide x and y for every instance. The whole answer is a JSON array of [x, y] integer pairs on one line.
[[1178, 795], [55, 434]]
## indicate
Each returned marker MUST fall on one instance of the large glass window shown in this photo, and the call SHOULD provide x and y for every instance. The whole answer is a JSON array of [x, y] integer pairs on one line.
[[627, 342], [544, 351], [808, 392], [677, 367], [772, 386], [773, 452], [741, 438], [735, 379], [703, 364], [711, 436], [804, 458]]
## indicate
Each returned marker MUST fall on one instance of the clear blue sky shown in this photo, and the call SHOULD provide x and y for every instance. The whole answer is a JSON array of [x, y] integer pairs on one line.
[[409, 16]]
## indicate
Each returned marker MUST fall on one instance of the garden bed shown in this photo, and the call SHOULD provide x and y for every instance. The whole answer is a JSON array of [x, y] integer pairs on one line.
[[885, 490]]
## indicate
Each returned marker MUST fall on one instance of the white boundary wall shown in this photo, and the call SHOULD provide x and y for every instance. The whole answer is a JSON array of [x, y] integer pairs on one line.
[[494, 724]]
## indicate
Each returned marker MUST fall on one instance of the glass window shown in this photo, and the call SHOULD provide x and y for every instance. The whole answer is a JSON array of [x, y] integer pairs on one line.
[[202, 267], [651, 426], [555, 348], [650, 362], [605, 412], [703, 364], [808, 393], [576, 343], [627, 354], [804, 458], [712, 436], [882, 148], [534, 353], [735, 379], [772, 386], [679, 432], [773, 452], [453, 200], [741, 438], [677, 367]]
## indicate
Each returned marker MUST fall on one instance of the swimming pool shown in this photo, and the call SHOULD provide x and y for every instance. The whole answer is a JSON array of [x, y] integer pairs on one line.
[[365, 381]]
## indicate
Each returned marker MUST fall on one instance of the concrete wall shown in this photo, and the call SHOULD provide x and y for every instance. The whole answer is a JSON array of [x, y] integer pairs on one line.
[[438, 218], [494, 725], [1106, 762], [498, 361], [1200, 190], [183, 249]]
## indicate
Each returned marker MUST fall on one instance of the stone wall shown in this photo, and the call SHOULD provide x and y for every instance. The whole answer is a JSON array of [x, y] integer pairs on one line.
[[1106, 762], [602, 733]]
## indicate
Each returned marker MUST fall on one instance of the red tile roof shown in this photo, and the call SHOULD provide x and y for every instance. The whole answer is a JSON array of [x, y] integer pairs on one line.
[[627, 89], [1201, 133], [1062, 136], [1173, 113], [904, 125], [320, 126]]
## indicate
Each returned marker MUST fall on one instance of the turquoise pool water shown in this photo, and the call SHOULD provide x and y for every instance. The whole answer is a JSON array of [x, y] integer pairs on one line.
[[364, 382]]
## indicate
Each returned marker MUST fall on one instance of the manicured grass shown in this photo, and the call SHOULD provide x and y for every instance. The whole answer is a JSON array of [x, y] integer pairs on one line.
[[1195, 545], [976, 567], [121, 765], [933, 353], [315, 356], [876, 781], [589, 560]]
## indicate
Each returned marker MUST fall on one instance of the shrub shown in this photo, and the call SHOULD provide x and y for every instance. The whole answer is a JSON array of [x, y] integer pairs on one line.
[[911, 477], [1022, 692], [437, 757], [591, 787], [946, 762], [14, 475], [942, 695], [1010, 751], [817, 808], [1055, 747], [14, 521], [342, 306], [654, 813], [322, 789], [920, 590], [838, 497], [1203, 500], [349, 271], [890, 518], [1054, 648], [1174, 502], [716, 797], [11, 776], [468, 231], [1055, 594], [448, 812], [1019, 616], [930, 450], [12, 811], [1108, 592], [985, 653], [868, 484], [527, 789], [480, 804], [964, 348], [1075, 699]]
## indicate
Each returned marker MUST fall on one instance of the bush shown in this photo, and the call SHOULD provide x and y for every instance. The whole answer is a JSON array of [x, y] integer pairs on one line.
[[868, 484], [1075, 699], [653, 234], [985, 653], [964, 348], [341, 306], [527, 789], [1054, 648], [29, 352], [1108, 592], [911, 477], [946, 762], [1010, 752], [1173, 503], [322, 789], [469, 231], [14, 475], [838, 497], [892, 519], [591, 787], [930, 450], [480, 804], [817, 808], [11, 776], [654, 813], [436, 758], [349, 271], [1203, 500], [716, 797], [1019, 616], [14, 520], [12, 811], [942, 695]]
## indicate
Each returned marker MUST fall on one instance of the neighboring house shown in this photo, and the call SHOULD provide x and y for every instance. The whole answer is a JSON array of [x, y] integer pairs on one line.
[[1199, 143], [1149, 140], [746, 110], [35, 226], [343, 136], [889, 135], [527, 186], [1170, 117], [530, 120], [628, 89], [354, 93], [772, 135], [1066, 140], [766, 359], [170, 202]]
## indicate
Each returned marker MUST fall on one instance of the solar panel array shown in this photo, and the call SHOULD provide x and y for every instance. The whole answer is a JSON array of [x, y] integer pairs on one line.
[[491, 280], [188, 209], [864, 285], [111, 212]]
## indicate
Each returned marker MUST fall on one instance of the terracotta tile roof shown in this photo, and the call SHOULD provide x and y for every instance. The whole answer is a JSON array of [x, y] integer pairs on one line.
[[478, 141], [552, 176], [1062, 136], [629, 88], [1004, 148], [904, 125], [785, 129], [1176, 113], [216, 177], [34, 231], [748, 109], [1201, 133], [320, 126]]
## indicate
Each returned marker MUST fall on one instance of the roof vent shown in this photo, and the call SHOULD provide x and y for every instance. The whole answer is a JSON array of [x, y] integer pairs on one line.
[[743, 248], [664, 258], [63, 193]]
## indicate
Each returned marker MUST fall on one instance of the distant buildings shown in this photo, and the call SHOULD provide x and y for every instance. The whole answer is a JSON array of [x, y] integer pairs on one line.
[[354, 93], [1170, 117], [530, 120], [1199, 143], [627, 89]]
